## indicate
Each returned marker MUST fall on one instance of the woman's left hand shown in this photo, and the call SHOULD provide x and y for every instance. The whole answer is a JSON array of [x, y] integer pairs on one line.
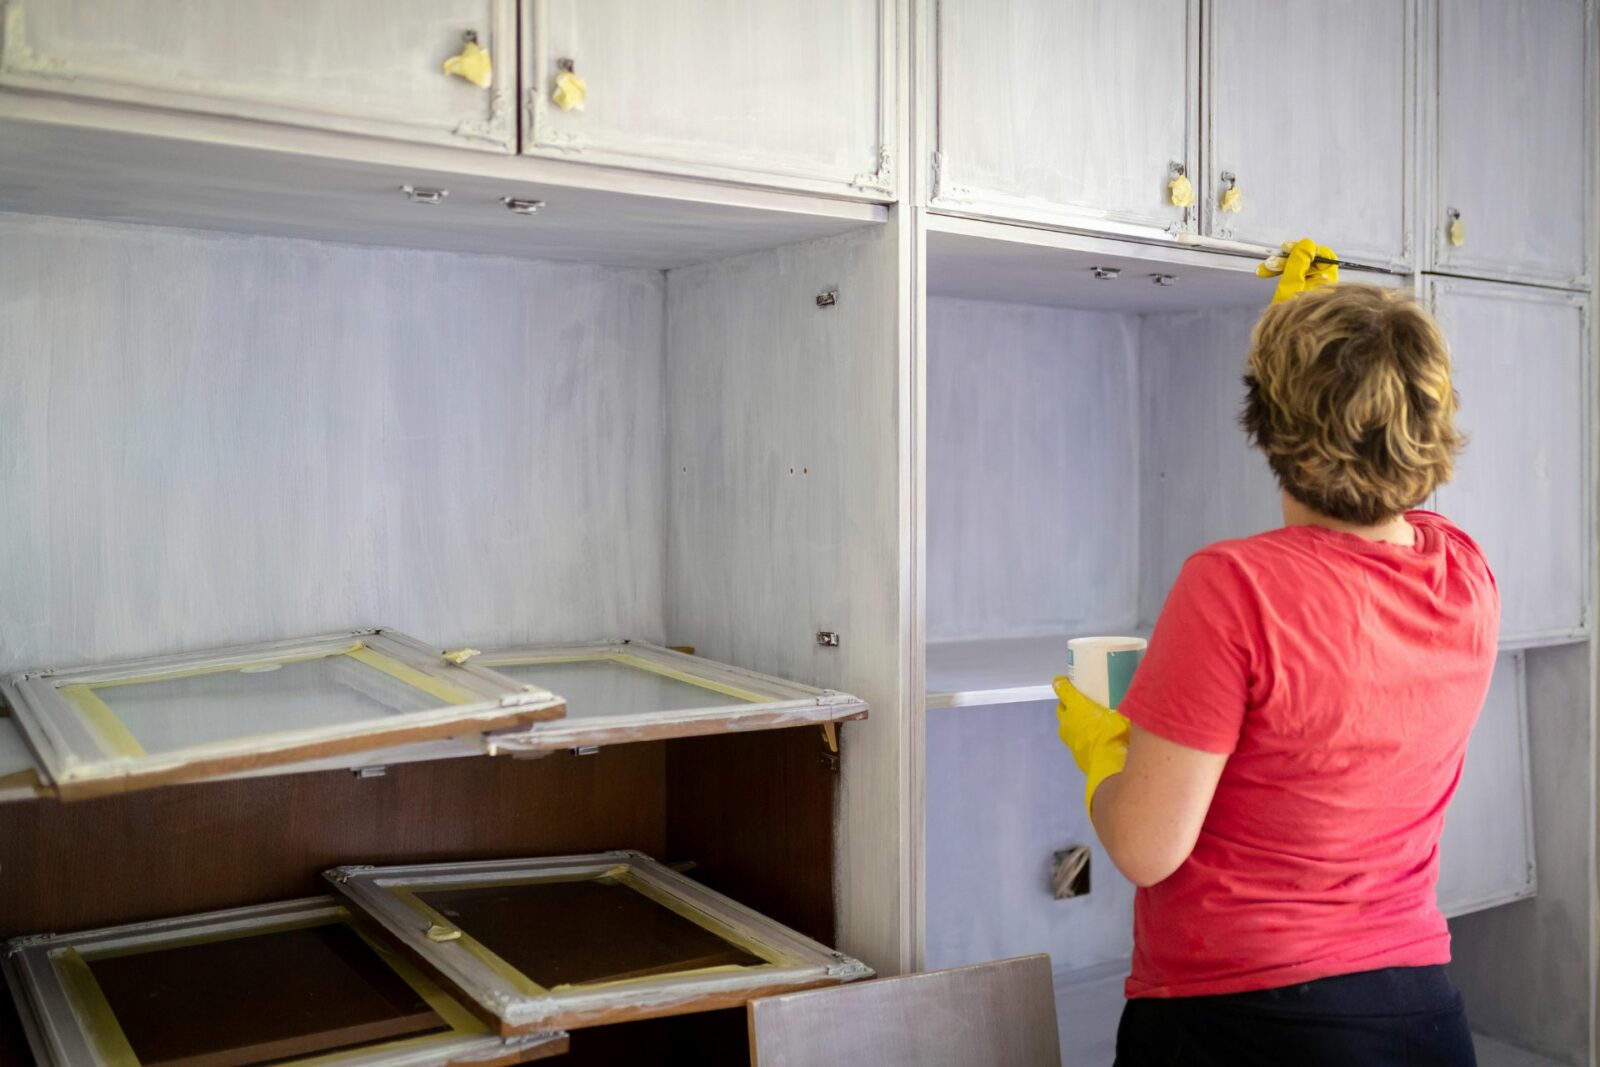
[[1097, 736]]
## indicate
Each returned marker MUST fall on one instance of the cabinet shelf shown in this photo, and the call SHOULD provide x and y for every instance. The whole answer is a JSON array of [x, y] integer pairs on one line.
[[1006, 670]]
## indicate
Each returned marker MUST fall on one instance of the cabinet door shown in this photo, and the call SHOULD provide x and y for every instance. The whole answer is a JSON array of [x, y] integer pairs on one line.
[[342, 66], [1513, 140], [1308, 116], [1521, 486], [1486, 854], [1070, 108], [792, 94]]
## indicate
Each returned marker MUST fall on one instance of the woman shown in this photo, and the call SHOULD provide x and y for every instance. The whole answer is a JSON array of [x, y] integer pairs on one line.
[[1276, 779]]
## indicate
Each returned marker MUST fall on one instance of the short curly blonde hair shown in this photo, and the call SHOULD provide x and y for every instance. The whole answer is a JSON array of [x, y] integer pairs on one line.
[[1349, 396]]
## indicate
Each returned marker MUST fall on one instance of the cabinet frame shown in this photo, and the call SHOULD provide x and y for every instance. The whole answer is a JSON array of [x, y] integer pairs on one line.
[[56, 993], [538, 139], [1213, 221], [388, 895], [990, 204], [21, 67]]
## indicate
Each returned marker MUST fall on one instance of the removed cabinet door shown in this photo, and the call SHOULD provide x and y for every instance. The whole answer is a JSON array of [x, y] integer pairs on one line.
[[1309, 109], [356, 68], [1072, 111], [1519, 488], [795, 95], [1514, 140]]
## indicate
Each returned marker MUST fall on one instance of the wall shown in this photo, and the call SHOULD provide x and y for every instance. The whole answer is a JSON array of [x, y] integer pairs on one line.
[[784, 459], [1200, 480], [1033, 460], [210, 439]]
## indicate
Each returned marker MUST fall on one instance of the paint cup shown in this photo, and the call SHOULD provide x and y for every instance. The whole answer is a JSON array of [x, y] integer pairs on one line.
[[1101, 668]]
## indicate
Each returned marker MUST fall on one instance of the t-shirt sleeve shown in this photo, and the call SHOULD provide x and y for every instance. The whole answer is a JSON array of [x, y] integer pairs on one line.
[[1193, 685]]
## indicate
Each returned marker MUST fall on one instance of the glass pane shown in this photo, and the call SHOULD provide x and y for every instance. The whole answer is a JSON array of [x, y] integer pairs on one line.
[[260, 999], [177, 713], [605, 687], [576, 933]]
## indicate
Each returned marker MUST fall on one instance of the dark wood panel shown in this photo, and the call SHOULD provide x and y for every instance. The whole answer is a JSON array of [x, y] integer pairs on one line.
[[755, 812], [184, 849], [706, 1039]]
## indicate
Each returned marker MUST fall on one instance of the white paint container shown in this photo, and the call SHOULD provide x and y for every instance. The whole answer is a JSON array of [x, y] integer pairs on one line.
[[1102, 667]]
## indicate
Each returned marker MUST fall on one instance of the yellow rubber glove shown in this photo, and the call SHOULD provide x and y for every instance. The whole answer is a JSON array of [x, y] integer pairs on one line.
[[1296, 270], [1097, 736]]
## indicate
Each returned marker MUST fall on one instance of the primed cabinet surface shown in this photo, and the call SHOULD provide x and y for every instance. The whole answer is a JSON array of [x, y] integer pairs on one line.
[[1307, 107], [1051, 107], [1519, 369], [1512, 139], [344, 66], [781, 93], [1486, 852]]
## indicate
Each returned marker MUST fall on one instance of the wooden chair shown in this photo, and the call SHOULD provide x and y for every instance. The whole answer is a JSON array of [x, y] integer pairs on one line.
[[999, 1014]]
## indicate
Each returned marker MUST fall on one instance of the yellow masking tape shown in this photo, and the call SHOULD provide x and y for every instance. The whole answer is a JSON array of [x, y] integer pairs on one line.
[[446, 1007], [195, 672], [94, 1012], [413, 677], [684, 676], [106, 724]]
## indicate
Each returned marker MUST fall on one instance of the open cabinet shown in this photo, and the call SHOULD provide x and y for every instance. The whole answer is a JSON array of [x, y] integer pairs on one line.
[[1081, 420], [571, 437]]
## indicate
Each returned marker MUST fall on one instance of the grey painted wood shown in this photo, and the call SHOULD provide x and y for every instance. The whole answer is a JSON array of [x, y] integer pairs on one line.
[[1514, 141], [1520, 357], [1309, 106], [998, 1014], [348, 66], [800, 94], [783, 465], [1003, 795], [210, 440], [1527, 970], [1486, 855], [1200, 481], [1032, 470], [355, 195], [1079, 106]]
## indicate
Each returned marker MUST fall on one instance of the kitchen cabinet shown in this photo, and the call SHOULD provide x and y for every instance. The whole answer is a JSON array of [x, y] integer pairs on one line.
[[1082, 110], [1308, 117], [347, 67], [1514, 141], [801, 95]]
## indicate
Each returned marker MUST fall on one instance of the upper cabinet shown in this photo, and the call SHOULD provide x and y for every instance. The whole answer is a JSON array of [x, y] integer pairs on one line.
[[1513, 141], [1308, 118], [795, 94], [1519, 354], [347, 67], [1073, 110]]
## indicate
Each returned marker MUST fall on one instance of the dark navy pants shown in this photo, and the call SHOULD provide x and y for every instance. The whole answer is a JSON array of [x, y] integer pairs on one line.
[[1400, 1016]]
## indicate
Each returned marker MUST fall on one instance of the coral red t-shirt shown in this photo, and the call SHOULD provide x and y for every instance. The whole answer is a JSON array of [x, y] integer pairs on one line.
[[1343, 677]]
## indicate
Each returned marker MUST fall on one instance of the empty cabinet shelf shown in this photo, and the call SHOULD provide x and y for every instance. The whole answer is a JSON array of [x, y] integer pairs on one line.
[[571, 941], [278, 983], [122, 726], [621, 691]]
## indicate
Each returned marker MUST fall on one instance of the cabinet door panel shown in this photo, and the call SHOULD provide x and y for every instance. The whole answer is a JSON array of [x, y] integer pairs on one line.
[[778, 93], [1308, 109], [1486, 852], [1075, 105], [1520, 487], [1513, 142], [340, 66]]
